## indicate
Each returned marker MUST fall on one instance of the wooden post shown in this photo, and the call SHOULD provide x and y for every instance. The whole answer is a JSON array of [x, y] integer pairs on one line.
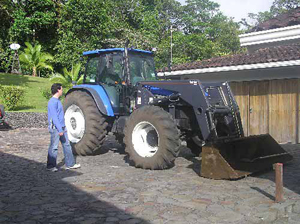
[[279, 182]]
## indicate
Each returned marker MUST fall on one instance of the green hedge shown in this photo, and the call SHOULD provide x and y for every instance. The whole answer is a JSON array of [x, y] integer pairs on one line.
[[11, 96]]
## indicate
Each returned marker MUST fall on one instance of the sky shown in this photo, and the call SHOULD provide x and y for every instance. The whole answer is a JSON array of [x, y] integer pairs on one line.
[[240, 8]]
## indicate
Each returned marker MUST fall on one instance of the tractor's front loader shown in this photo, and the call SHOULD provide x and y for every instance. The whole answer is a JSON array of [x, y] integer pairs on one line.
[[214, 120], [240, 157]]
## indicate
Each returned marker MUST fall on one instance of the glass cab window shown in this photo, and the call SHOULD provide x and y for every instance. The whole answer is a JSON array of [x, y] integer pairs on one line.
[[141, 68], [91, 70], [111, 68]]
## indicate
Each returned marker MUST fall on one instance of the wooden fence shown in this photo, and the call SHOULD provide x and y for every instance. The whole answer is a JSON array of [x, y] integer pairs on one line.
[[270, 107]]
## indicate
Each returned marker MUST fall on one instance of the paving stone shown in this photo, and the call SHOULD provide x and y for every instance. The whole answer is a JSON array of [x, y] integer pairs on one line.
[[3, 219], [296, 207], [89, 221], [123, 217], [295, 217], [226, 216], [131, 221], [215, 208], [191, 218], [112, 219], [267, 217]]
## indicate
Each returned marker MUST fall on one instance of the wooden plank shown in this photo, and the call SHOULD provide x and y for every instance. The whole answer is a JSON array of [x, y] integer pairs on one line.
[[241, 94], [283, 110], [298, 113], [259, 108]]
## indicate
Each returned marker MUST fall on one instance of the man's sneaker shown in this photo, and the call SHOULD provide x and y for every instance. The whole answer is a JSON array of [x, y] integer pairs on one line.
[[53, 169], [75, 166]]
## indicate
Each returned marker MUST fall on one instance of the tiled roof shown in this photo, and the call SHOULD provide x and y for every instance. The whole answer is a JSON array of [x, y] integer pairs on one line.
[[265, 55], [290, 18]]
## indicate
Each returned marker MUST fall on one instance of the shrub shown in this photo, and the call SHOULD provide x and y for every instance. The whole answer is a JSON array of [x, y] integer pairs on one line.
[[46, 93], [11, 96]]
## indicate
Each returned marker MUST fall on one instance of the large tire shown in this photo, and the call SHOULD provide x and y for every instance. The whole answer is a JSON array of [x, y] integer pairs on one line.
[[85, 124], [151, 138]]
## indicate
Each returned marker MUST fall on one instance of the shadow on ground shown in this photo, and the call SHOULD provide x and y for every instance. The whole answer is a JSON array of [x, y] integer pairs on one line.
[[30, 193]]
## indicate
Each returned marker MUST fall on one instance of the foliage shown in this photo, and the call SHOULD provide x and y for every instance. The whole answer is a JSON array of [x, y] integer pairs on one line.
[[278, 7], [4, 39], [11, 96], [36, 60], [46, 93], [34, 20], [68, 78]]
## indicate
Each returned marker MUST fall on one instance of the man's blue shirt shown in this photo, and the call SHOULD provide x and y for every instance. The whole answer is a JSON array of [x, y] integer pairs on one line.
[[56, 114]]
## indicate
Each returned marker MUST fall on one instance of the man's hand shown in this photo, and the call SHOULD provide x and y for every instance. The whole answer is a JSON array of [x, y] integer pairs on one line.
[[60, 133]]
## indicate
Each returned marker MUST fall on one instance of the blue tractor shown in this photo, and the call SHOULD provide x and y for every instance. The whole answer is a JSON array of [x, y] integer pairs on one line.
[[122, 95]]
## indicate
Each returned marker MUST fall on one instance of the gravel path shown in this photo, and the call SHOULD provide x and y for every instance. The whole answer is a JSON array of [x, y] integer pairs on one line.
[[107, 190]]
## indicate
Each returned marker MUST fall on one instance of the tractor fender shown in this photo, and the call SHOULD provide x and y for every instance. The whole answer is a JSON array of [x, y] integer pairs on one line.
[[99, 95]]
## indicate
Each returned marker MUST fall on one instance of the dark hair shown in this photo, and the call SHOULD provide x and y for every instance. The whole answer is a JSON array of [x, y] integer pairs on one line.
[[55, 87]]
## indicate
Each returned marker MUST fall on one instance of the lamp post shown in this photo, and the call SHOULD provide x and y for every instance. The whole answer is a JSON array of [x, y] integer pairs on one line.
[[15, 68]]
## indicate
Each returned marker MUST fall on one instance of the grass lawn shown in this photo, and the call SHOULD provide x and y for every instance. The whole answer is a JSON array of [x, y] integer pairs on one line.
[[33, 99]]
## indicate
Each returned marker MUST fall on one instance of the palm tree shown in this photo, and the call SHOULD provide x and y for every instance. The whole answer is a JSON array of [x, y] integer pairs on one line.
[[35, 59], [68, 78]]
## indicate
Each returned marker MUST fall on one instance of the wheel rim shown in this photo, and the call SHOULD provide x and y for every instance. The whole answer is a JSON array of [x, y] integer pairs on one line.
[[75, 123], [145, 139]]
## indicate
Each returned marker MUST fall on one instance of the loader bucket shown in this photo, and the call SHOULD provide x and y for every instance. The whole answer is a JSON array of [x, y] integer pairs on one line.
[[240, 157]]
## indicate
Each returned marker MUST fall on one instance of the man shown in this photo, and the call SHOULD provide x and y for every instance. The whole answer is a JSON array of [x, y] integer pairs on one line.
[[58, 132]]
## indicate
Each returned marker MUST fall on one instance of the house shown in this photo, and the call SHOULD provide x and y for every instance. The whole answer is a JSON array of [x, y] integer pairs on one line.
[[265, 80]]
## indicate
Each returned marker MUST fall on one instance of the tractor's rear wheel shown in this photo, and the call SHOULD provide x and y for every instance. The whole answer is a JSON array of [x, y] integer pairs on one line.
[[86, 126], [151, 138]]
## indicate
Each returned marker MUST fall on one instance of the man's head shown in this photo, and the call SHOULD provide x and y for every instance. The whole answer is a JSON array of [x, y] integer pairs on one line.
[[56, 89]]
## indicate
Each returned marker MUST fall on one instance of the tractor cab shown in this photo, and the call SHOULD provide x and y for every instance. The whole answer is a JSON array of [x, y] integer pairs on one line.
[[118, 70], [110, 67]]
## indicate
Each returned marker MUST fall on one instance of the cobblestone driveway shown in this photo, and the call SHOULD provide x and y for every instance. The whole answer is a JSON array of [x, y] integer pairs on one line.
[[108, 190]]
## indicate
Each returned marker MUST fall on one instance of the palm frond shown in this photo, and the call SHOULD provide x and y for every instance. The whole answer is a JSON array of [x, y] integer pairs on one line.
[[59, 78], [44, 65], [80, 80], [30, 48], [66, 72], [46, 57], [25, 58], [37, 48], [75, 71]]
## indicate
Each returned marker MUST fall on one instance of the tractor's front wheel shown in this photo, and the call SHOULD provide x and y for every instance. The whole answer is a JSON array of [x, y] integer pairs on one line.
[[86, 126], [151, 138]]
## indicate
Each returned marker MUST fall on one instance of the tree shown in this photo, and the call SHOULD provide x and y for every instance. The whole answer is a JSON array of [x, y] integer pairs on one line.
[[5, 23], [35, 21], [281, 6], [201, 31], [35, 59], [68, 78], [84, 24], [278, 7]]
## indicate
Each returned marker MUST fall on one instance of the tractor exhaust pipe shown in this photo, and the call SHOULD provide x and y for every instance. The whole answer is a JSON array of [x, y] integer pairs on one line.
[[241, 157]]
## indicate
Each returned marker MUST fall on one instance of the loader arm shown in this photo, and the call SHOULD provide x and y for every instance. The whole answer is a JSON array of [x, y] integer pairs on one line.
[[207, 105]]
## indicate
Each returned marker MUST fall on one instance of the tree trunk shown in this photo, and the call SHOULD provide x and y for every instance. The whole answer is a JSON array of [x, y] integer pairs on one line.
[[34, 71]]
